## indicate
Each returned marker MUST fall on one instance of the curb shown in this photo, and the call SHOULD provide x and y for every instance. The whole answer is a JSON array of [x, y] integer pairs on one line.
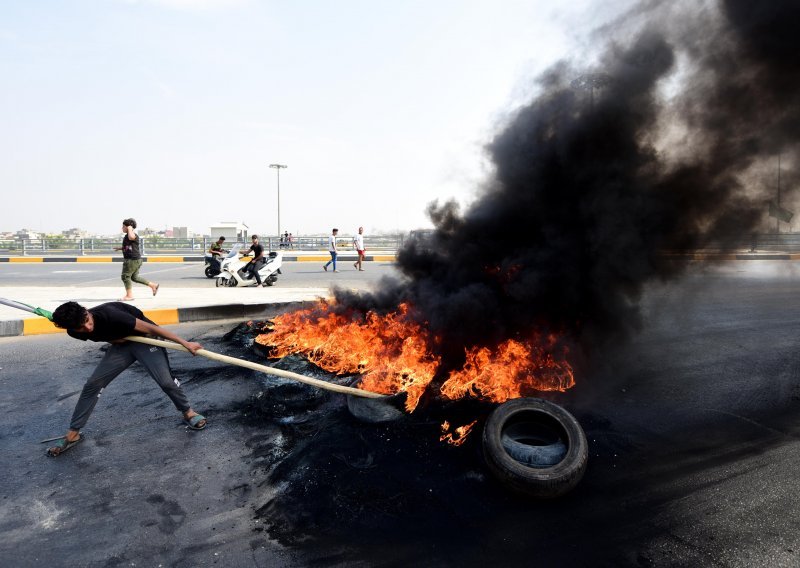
[[164, 316], [296, 258]]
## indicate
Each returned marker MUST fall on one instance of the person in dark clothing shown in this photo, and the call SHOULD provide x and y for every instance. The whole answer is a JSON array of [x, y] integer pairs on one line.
[[132, 255], [113, 322], [216, 252], [258, 259]]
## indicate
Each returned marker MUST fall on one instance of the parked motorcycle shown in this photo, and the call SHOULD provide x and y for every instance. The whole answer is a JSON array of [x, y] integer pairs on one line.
[[233, 271]]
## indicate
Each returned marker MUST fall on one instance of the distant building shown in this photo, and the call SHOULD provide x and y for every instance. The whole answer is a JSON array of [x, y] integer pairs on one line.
[[231, 230], [75, 233], [181, 232], [27, 234]]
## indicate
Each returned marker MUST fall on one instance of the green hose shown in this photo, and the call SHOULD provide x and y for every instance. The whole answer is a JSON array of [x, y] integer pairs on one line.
[[20, 306]]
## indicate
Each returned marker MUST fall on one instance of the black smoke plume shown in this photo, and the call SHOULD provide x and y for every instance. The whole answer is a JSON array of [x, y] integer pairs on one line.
[[657, 149]]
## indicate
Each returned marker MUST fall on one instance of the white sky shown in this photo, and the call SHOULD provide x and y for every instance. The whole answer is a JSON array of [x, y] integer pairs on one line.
[[170, 111]]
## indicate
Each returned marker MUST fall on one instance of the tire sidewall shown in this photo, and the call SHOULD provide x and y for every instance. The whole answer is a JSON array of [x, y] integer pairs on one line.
[[544, 482]]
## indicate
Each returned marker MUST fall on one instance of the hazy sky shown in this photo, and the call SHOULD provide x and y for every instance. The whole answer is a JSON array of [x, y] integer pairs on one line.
[[170, 111]]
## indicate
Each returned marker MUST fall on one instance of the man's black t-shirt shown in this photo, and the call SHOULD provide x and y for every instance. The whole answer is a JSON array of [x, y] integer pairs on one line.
[[258, 250], [130, 248], [112, 321]]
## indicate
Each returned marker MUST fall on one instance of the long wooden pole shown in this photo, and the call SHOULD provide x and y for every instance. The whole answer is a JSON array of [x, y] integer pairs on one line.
[[230, 360], [257, 367]]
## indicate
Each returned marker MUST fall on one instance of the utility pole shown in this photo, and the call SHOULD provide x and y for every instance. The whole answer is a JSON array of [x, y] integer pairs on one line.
[[778, 219], [590, 82], [278, 168]]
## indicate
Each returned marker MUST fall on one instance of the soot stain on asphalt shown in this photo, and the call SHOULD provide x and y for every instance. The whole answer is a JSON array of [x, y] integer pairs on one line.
[[325, 476], [334, 489]]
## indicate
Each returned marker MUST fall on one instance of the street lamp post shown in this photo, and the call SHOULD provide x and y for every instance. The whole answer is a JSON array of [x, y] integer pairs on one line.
[[590, 82], [278, 170]]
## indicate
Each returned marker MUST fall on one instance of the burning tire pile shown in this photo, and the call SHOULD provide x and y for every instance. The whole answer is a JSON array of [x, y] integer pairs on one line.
[[530, 445]]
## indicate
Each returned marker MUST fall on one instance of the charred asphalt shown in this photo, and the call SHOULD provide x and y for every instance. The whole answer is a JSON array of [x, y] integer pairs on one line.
[[692, 425]]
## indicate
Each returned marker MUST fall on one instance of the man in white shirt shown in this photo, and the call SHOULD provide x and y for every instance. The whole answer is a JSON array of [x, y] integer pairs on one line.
[[358, 243], [332, 250]]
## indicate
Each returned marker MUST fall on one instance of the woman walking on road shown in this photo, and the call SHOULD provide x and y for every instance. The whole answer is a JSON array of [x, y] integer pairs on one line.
[[132, 254]]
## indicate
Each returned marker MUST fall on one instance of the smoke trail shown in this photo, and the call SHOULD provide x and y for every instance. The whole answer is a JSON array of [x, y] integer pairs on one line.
[[659, 153]]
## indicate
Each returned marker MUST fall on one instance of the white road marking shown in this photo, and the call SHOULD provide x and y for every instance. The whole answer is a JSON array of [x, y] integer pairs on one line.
[[145, 272]]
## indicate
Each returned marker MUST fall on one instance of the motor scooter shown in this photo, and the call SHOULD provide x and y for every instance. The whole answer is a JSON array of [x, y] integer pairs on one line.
[[213, 268], [233, 273]]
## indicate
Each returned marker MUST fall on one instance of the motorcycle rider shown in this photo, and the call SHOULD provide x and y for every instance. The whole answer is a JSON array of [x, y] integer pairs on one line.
[[258, 260], [216, 252]]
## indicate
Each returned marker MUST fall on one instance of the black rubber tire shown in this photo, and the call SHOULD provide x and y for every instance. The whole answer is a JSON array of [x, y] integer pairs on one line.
[[220, 282], [210, 272], [270, 281], [548, 481]]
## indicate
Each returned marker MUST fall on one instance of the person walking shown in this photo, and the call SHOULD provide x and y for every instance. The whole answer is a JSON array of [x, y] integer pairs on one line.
[[332, 249], [132, 261], [358, 244], [258, 259], [113, 322]]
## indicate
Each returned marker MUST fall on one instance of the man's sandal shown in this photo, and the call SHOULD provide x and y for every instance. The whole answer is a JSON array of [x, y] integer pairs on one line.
[[61, 446], [196, 422]]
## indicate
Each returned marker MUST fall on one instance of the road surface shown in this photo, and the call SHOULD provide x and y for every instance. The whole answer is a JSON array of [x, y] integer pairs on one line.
[[182, 275], [693, 426]]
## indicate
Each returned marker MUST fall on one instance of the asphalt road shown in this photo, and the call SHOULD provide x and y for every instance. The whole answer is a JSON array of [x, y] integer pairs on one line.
[[184, 275], [693, 428]]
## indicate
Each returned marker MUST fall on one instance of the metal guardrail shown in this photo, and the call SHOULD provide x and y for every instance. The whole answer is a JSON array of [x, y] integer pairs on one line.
[[783, 242], [175, 246], [762, 242], [759, 242]]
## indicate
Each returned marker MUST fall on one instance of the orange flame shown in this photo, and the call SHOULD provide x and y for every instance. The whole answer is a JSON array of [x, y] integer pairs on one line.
[[393, 353], [459, 434], [511, 371]]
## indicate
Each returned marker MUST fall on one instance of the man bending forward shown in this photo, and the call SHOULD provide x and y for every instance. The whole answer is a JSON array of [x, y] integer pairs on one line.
[[112, 322]]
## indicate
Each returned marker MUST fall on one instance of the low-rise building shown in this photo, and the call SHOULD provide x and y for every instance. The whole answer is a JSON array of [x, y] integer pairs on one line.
[[75, 233], [27, 234], [233, 231]]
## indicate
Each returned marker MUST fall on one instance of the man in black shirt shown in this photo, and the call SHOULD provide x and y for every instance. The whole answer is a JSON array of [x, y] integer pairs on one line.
[[258, 259], [111, 323]]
